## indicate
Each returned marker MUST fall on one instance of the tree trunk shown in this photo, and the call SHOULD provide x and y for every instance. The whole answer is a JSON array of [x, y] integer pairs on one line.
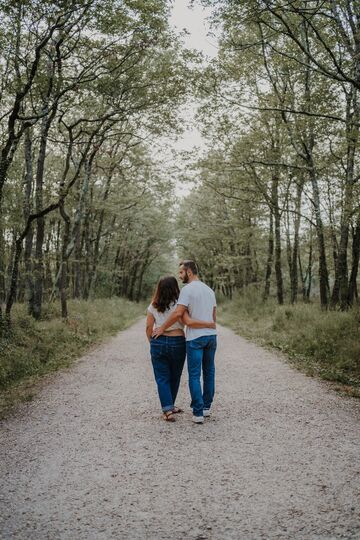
[[141, 276], [93, 267], [28, 185], [288, 239], [76, 266], [303, 279], [40, 222], [2, 266], [115, 286], [340, 290], [11, 260], [87, 249], [352, 289], [48, 281], [14, 276], [62, 279], [277, 251], [294, 257], [334, 243], [270, 257], [309, 268], [134, 273], [323, 271]]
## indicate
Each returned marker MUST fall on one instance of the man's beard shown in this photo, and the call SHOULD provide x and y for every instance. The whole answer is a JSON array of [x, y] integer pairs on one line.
[[185, 278]]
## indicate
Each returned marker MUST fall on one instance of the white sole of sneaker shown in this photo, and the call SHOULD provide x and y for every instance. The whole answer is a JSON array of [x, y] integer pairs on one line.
[[198, 419]]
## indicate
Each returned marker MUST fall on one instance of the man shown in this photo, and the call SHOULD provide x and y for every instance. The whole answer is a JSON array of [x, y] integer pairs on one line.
[[199, 300]]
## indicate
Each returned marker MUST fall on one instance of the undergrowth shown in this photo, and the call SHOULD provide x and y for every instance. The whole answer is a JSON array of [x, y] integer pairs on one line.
[[322, 343], [30, 349]]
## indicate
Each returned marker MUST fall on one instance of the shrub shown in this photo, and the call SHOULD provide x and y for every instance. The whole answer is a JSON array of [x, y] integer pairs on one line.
[[323, 343], [32, 347]]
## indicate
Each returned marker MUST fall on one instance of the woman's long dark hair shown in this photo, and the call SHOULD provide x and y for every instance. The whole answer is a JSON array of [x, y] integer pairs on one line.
[[166, 293]]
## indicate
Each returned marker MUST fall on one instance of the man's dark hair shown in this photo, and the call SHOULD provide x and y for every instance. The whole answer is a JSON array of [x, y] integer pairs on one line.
[[189, 265]]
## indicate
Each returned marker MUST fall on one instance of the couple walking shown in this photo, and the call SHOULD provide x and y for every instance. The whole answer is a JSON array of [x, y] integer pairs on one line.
[[168, 313]]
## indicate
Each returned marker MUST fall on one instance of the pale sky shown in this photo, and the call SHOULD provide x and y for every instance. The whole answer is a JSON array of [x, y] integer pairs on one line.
[[193, 19]]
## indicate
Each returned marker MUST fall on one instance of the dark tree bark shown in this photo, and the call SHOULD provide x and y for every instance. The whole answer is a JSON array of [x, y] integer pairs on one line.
[[134, 277], [38, 270], [93, 267], [309, 268], [334, 243], [62, 280], [323, 271], [270, 257], [145, 265], [2, 269], [352, 289], [40, 224], [48, 278], [294, 273], [277, 231], [340, 293], [28, 186], [76, 263], [16, 127]]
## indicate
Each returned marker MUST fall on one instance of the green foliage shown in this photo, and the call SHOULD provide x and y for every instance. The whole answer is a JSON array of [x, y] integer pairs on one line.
[[280, 111], [32, 348], [320, 343], [104, 90], [220, 233]]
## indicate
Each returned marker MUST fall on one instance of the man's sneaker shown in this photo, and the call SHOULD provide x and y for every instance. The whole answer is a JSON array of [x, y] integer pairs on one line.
[[198, 419], [206, 413]]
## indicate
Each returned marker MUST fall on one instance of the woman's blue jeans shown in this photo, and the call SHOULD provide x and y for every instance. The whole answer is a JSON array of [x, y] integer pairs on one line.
[[201, 357], [168, 358]]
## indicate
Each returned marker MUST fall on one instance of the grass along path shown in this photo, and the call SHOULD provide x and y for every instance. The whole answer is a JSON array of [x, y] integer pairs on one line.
[[32, 349], [323, 344]]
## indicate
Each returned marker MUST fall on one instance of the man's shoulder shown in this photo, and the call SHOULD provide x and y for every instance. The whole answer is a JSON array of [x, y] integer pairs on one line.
[[197, 283], [183, 296], [188, 290], [185, 288], [199, 289], [207, 287]]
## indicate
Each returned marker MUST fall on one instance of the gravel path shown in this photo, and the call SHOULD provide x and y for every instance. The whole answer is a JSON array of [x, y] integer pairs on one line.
[[90, 457]]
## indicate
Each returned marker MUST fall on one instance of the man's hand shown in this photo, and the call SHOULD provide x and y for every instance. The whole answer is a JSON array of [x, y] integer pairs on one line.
[[158, 332]]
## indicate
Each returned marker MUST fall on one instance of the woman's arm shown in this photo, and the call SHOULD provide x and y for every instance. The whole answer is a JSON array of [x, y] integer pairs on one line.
[[195, 323], [150, 320]]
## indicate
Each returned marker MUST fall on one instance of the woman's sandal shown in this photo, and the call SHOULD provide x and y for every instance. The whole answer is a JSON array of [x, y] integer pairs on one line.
[[177, 410], [168, 416]]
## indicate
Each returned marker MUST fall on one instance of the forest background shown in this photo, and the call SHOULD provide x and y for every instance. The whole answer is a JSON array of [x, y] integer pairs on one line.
[[92, 97]]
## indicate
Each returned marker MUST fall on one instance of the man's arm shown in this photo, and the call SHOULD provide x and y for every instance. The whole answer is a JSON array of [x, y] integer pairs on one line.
[[214, 314], [196, 323], [172, 318]]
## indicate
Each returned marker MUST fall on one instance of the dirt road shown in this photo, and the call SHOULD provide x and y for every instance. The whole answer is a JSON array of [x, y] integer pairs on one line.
[[90, 457]]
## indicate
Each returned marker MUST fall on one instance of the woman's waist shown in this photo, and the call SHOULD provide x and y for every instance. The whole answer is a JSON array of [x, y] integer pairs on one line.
[[177, 327], [172, 336], [174, 332]]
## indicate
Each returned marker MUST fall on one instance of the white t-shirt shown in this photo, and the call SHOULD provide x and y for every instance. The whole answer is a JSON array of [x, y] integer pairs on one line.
[[160, 318], [200, 301]]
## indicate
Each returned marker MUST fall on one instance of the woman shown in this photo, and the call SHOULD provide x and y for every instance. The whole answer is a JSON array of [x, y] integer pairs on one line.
[[168, 350]]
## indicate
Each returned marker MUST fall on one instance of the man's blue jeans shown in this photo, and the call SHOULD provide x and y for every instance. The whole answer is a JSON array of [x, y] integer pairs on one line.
[[168, 358], [201, 356]]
